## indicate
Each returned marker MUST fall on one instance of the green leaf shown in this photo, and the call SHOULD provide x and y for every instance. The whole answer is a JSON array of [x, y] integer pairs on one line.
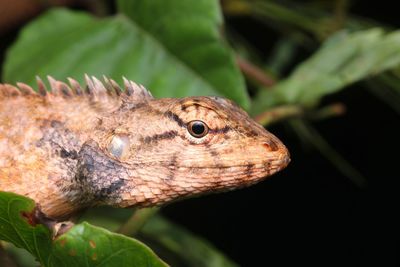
[[343, 59], [190, 31], [172, 47], [82, 245]]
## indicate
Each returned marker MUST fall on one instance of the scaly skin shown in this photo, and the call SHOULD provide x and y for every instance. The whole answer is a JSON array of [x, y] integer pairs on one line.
[[70, 149]]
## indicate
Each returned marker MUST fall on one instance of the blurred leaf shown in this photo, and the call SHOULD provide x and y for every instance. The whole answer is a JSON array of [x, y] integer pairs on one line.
[[192, 250], [179, 53], [387, 88], [288, 14], [5, 259], [283, 53], [21, 256], [298, 19], [107, 217], [285, 16], [343, 59], [82, 245]]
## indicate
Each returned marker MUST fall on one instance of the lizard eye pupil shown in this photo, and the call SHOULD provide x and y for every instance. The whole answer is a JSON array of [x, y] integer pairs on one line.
[[197, 129]]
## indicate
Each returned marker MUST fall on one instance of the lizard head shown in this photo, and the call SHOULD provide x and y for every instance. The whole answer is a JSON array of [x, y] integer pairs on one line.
[[174, 148], [126, 148]]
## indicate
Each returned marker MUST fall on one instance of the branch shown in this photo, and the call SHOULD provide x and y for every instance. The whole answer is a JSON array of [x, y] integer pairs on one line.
[[254, 72], [137, 221], [279, 113]]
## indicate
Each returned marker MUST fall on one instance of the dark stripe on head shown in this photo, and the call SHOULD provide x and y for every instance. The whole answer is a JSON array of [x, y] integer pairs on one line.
[[223, 130], [163, 136], [172, 167], [174, 117]]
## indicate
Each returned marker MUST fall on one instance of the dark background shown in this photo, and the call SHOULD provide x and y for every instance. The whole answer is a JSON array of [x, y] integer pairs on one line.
[[310, 214]]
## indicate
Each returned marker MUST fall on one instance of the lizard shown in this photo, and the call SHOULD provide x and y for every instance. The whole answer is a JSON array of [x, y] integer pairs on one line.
[[73, 147]]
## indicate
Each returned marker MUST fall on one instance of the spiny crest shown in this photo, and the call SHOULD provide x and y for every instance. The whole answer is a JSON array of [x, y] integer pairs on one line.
[[95, 89]]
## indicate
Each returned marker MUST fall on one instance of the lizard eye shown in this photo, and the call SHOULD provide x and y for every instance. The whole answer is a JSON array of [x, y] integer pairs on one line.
[[197, 129], [119, 146]]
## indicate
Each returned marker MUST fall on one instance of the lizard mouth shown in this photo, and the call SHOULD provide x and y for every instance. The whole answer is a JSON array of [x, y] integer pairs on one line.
[[248, 172], [273, 161]]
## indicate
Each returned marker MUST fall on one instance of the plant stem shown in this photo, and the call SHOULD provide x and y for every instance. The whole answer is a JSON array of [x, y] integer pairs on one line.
[[254, 72], [340, 14], [333, 110], [137, 221], [278, 113]]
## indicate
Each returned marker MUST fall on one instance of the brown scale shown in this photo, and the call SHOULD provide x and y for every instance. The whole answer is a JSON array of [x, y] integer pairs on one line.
[[72, 147]]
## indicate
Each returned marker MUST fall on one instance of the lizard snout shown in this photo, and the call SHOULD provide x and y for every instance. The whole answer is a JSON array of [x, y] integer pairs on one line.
[[283, 157]]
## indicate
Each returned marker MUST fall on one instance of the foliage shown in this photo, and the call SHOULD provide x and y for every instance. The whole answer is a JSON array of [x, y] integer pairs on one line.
[[179, 54], [82, 245], [174, 244], [343, 59], [179, 48]]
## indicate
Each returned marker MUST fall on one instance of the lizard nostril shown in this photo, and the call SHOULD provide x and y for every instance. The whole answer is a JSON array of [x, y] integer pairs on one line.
[[270, 146]]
